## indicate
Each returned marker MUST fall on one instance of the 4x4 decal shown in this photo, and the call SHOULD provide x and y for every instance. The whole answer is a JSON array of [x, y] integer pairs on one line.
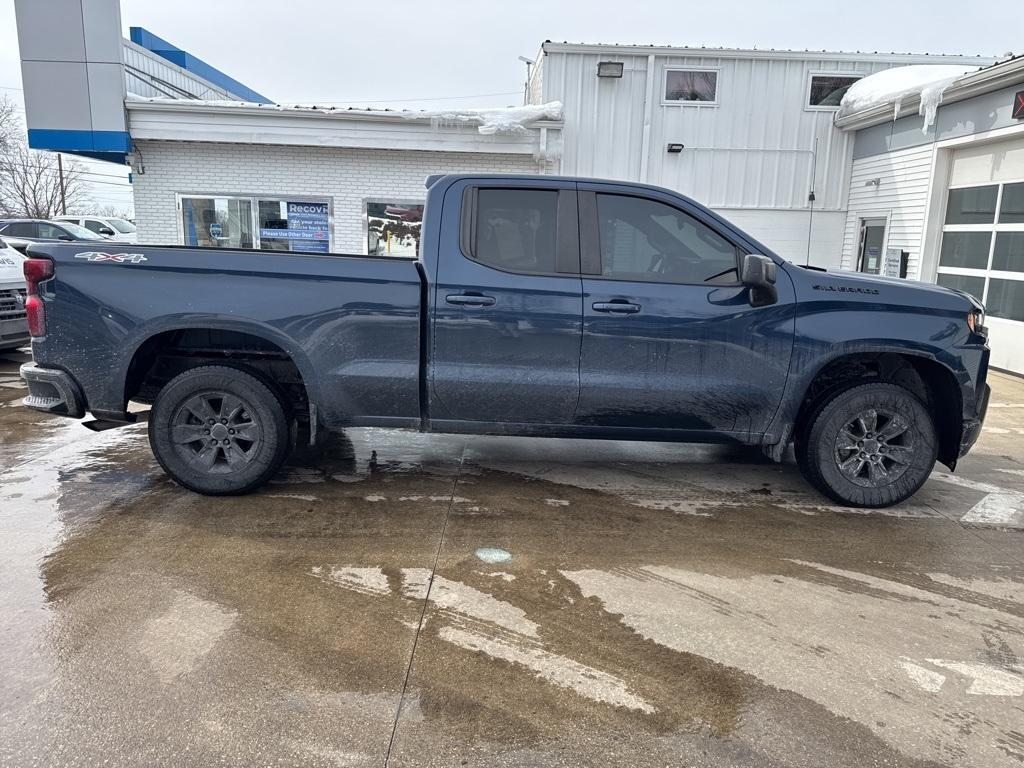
[[117, 258]]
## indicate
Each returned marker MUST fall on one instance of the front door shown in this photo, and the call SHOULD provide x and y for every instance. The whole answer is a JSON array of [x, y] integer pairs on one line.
[[872, 238], [507, 311], [670, 340]]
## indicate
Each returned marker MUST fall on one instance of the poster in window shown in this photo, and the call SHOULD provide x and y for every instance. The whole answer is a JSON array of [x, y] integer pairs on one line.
[[393, 229], [295, 226]]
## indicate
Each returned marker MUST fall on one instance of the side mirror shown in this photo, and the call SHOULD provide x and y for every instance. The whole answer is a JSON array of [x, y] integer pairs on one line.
[[106, 231], [758, 275], [65, 237]]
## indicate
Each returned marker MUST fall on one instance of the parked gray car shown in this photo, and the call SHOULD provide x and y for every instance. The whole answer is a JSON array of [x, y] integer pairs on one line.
[[20, 233]]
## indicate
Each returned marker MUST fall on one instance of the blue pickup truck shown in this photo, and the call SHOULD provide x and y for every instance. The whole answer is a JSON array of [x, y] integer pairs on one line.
[[538, 306]]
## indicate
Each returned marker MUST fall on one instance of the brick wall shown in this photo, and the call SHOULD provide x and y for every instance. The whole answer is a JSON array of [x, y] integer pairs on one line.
[[346, 176]]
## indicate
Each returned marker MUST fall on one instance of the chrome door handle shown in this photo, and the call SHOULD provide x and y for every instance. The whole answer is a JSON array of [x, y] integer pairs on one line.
[[469, 299], [616, 307]]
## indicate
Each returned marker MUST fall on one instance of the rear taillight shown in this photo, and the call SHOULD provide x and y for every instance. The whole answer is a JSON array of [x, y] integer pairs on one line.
[[36, 271]]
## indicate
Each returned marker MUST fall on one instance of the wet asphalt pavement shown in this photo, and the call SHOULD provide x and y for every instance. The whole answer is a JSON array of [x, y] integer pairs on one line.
[[443, 601]]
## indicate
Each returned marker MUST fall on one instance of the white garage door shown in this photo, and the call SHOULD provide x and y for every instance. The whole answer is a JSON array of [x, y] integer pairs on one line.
[[982, 249]]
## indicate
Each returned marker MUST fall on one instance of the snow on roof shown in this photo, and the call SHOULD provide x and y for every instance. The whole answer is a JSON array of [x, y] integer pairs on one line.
[[892, 86], [492, 121], [489, 121], [711, 50]]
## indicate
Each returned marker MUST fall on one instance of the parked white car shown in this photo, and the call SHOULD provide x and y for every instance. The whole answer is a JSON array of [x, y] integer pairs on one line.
[[119, 230], [13, 325]]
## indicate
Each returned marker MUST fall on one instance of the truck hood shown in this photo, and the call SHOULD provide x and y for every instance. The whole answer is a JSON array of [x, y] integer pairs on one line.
[[897, 289]]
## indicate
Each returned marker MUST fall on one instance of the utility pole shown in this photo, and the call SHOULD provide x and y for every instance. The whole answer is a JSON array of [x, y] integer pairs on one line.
[[60, 176], [529, 70]]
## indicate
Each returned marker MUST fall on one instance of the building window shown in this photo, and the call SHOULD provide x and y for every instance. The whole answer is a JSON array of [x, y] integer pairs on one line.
[[691, 86], [982, 249], [270, 224], [294, 225], [393, 229], [827, 90]]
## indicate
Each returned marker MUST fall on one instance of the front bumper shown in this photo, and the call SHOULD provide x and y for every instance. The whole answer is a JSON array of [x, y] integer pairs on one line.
[[13, 324], [14, 334], [52, 391], [972, 427]]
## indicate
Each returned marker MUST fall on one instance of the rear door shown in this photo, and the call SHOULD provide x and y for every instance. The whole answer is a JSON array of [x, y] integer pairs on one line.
[[670, 340], [507, 305]]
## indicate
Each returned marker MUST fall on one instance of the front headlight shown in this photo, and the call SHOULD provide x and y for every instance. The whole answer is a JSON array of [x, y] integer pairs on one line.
[[976, 321]]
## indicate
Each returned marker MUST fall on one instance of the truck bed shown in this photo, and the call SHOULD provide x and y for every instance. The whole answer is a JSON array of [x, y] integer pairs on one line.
[[358, 316]]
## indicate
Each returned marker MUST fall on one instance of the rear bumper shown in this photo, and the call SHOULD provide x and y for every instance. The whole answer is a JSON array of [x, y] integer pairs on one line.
[[52, 391]]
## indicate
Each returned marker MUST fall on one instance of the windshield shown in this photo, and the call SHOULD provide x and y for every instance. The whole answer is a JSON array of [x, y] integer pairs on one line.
[[122, 226], [80, 233]]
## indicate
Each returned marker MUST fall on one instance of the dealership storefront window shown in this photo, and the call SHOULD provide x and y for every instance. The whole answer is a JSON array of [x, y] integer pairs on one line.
[[392, 228], [982, 250], [267, 223]]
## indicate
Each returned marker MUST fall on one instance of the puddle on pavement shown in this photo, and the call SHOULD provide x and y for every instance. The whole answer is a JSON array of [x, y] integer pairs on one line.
[[751, 632]]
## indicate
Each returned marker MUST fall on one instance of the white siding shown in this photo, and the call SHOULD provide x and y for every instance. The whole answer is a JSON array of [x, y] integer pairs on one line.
[[901, 196], [785, 232], [752, 150], [345, 176]]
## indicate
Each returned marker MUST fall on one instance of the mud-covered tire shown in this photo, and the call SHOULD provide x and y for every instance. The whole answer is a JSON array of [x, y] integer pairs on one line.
[[862, 460], [218, 430]]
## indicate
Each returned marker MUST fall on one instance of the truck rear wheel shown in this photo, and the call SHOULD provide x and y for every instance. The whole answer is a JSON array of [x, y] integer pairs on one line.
[[218, 430], [872, 445]]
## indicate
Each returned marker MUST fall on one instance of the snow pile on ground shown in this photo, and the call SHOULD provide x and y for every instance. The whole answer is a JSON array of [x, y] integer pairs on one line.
[[492, 121], [928, 81]]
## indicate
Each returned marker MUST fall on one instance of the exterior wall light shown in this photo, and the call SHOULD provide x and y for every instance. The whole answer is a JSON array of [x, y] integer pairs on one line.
[[872, 182], [675, 149], [609, 69]]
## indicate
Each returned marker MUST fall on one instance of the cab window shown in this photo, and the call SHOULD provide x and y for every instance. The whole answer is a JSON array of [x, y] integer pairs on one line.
[[515, 229], [649, 241]]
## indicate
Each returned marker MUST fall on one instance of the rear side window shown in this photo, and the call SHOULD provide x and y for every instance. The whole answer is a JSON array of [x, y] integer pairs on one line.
[[649, 241], [515, 229], [20, 229]]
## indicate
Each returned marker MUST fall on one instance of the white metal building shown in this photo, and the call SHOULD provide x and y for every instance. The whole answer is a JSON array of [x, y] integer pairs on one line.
[[750, 133], [948, 197], [752, 125]]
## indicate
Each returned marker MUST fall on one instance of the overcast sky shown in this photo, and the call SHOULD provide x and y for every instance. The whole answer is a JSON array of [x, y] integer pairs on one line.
[[427, 54]]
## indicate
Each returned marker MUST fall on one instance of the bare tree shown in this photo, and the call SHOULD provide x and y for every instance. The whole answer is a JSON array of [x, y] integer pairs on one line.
[[112, 211], [29, 180], [10, 125], [30, 185]]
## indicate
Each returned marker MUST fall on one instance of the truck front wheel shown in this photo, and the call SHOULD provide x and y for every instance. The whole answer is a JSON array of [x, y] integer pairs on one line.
[[218, 430], [872, 445]]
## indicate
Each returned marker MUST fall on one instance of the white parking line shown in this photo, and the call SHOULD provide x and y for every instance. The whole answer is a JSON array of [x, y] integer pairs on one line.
[[985, 680], [1000, 506]]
